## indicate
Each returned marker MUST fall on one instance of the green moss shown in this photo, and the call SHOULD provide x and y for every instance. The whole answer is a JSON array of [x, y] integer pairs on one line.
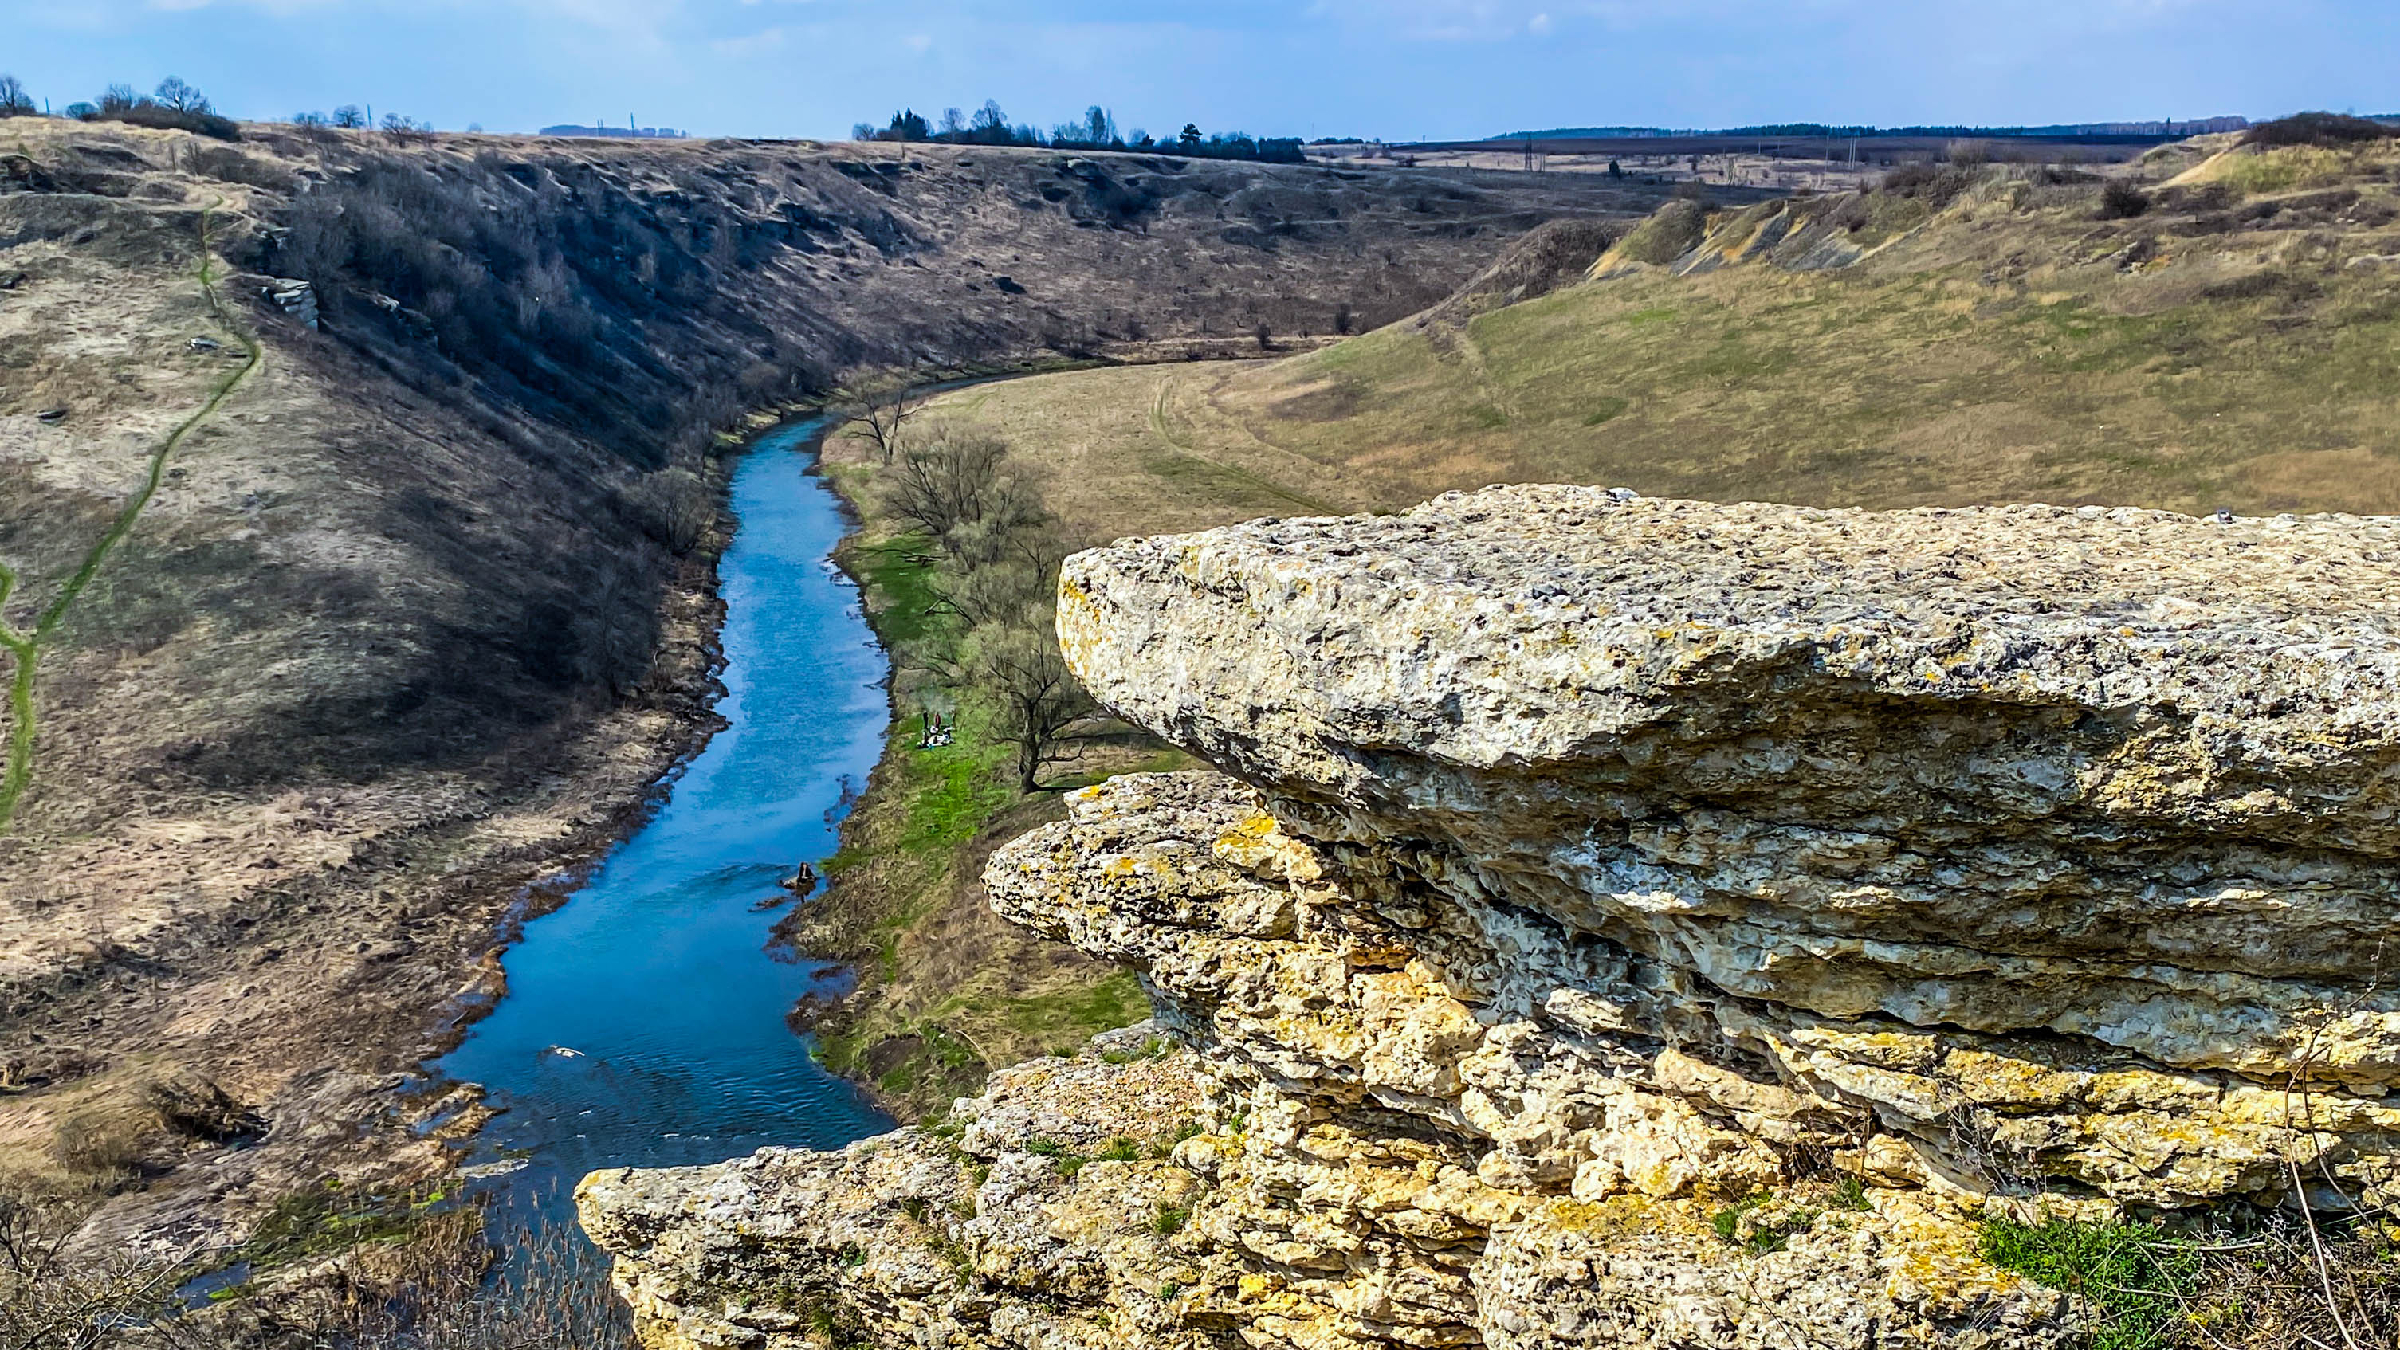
[[1170, 1220]]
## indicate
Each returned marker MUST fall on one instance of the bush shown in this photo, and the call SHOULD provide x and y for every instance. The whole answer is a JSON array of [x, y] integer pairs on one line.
[[2323, 129], [675, 507], [102, 1144], [199, 1109], [2132, 1276], [2121, 200], [168, 119], [1937, 186]]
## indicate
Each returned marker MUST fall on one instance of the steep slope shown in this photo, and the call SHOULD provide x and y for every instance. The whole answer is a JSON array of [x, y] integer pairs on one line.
[[1632, 922], [1967, 335], [419, 612]]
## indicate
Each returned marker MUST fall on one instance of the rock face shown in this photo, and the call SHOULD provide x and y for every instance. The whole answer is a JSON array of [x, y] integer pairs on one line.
[[1646, 923]]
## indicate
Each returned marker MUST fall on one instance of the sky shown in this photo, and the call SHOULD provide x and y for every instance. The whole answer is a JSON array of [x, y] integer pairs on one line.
[[1394, 69]]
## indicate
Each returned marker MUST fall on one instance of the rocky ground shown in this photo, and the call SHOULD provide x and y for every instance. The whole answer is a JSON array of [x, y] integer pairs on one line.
[[1637, 922], [418, 615]]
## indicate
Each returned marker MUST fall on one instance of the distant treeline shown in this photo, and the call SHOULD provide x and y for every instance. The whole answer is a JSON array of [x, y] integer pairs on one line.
[[2168, 127], [989, 125], [174, 104]]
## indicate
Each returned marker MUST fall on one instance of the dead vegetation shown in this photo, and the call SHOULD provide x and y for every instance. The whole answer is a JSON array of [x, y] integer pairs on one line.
[[1979, 333], [2215, 329], [415, 1272], [422, 614]]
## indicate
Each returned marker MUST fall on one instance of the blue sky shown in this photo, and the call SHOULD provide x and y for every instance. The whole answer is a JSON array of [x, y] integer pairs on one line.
[[1401, 69]]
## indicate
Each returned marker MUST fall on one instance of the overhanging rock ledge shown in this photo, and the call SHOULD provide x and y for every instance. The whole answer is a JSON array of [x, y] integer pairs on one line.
[[1631, 922]]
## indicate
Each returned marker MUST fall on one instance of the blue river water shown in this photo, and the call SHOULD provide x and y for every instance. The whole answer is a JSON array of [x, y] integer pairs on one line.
[[644, 1020]]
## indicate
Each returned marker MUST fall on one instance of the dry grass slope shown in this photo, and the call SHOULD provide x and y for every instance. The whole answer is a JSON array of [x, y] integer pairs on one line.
[[1989, 338]]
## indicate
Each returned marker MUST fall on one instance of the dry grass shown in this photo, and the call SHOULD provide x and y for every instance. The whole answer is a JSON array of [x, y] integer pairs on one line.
[[419, 1272], [947, 990], [1998, 341], [2012, 349]]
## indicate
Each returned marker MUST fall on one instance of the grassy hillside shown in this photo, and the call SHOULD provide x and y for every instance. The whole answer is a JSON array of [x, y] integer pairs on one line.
[[414, 616], [1980, 334]]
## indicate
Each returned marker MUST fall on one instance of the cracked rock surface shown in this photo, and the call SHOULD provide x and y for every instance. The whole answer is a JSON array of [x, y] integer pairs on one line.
[[1647, 923]]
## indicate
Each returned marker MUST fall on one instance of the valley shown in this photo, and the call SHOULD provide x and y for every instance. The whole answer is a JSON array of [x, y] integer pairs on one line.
[[411, 465], [420, 614]]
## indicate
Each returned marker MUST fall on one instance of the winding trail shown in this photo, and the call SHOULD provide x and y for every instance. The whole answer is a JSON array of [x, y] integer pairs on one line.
[[24, 645]]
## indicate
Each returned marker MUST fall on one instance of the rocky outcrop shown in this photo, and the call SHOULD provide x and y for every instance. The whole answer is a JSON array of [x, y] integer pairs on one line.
[[1629, 922]]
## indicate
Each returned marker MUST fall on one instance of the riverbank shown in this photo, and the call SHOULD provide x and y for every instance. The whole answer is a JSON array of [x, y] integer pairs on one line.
[[348, 961], [943, 991]]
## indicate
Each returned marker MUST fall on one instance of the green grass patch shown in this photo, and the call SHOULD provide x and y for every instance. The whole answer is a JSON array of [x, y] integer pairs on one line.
[[899, 574], [1606, 410], [2133, 1276], [323, 1220]]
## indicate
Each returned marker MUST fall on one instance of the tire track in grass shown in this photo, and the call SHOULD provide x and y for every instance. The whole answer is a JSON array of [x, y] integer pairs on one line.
[[24, 645]]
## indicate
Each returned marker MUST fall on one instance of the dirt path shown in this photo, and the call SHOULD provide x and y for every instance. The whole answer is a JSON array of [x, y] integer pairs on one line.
[[24, 646]]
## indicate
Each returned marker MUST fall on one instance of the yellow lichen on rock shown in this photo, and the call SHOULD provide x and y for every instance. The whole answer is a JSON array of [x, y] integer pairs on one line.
[[1595, 881]]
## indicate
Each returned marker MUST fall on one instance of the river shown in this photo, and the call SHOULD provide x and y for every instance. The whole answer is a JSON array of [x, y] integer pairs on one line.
[[643, 1024]]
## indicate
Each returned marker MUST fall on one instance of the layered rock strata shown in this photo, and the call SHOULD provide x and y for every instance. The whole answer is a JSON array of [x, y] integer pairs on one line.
[[1654, 923]]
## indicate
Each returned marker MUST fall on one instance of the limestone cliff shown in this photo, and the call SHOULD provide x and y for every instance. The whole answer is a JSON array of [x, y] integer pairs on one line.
[[1644, 923]]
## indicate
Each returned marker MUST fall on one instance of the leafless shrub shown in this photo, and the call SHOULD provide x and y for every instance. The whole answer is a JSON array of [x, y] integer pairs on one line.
[[675, 507], [449, 1281], [2331, 130], [454, 1285], [2121, 200], [103, 1143], [56, 1299], [200, 1109]]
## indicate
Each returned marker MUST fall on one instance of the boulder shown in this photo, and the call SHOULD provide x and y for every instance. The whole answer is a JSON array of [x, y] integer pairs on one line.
[[1621, 922]]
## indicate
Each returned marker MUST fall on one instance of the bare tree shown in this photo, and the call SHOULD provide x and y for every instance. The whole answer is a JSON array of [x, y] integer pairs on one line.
[[878, 407], [1039, 701], [950, 483], [178, 96], [349, 116], [14, 101]]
